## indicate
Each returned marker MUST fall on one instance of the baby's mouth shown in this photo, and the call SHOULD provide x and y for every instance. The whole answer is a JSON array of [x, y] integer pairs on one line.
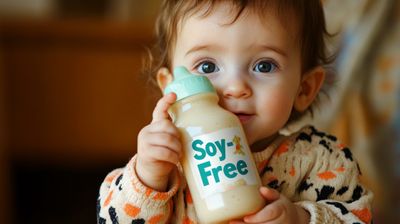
[[243, 117]]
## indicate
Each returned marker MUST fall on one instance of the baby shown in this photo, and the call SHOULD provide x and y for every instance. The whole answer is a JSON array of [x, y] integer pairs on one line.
[[265, 58]]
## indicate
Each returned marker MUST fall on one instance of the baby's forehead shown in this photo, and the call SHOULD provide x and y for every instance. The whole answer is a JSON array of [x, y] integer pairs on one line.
[[230, 14], [240, 40]]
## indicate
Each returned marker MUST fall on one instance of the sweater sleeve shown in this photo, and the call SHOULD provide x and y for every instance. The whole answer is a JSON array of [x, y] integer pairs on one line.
[[123, 198], [331, 191]]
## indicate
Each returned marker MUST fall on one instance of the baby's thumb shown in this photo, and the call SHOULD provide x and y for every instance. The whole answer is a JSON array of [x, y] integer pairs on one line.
[[269, 194], [161, 110]]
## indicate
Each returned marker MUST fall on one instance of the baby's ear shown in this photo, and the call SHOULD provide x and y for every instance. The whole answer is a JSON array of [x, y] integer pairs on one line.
[[310, 85], [164, 77]]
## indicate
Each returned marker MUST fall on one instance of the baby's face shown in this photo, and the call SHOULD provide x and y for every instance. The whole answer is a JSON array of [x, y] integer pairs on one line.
[[254, 65]]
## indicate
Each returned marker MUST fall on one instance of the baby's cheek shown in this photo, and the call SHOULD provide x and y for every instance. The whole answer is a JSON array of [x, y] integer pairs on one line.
[[278, 108]]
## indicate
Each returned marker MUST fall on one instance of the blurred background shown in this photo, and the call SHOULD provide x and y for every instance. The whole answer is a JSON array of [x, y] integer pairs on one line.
[[72, 99]]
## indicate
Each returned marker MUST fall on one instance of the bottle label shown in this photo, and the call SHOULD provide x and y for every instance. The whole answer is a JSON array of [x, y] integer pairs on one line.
[[221, 161]]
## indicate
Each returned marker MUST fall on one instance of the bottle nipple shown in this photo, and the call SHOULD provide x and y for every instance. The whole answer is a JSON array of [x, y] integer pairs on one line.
[[181, 72], [186, 84]]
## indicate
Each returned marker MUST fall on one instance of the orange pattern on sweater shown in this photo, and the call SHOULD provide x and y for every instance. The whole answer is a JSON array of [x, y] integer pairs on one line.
[[284, 147], [131, 210], [327, 175], [363, 214], [108, 199], [155, 219]]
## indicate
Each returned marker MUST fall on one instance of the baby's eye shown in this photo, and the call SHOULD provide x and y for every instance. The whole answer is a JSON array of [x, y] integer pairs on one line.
[[207, 67], [265, 67]]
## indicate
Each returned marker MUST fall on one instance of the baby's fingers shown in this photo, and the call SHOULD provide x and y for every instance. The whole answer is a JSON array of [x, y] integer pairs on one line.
[[163, 126], [269, 194], [163, 154], [271, 212], [168, 141], [161, 110], [268, 214]]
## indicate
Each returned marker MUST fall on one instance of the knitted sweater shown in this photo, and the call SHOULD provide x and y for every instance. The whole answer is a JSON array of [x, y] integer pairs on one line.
[[313, 169]]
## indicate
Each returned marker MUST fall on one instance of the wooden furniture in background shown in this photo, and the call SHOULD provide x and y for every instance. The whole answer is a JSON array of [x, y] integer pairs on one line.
[[4, 169], [74, 94]]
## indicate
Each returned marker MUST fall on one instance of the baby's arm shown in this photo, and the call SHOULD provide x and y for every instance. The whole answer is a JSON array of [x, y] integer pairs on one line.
[[332, 192], [142, 191], [124, 198]]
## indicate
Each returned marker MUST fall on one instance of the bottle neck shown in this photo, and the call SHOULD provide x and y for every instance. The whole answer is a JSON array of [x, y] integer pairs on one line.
[[193, 102]]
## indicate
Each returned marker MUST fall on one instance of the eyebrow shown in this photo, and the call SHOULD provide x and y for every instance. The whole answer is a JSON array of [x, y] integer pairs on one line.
[[275, 49], [263, 47], [200, 48]]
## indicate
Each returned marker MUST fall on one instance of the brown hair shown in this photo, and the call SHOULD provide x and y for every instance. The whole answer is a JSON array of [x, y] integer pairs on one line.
[[309, 14]]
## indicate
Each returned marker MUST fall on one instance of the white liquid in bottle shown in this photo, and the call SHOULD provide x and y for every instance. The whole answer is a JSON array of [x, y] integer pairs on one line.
[[217, 162]]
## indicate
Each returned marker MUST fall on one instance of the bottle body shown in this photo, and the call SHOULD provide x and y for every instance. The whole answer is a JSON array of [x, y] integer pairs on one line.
[[217, 162]]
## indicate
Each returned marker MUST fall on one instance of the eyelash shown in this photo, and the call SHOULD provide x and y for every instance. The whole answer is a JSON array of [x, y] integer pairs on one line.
[[271, 61], [203, 61], [274, 64]]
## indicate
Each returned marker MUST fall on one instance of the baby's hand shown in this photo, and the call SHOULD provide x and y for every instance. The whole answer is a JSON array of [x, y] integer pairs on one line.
[[278, 210], [159, 147]]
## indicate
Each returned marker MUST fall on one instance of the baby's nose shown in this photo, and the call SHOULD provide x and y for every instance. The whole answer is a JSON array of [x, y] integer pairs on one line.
[[236, 88]]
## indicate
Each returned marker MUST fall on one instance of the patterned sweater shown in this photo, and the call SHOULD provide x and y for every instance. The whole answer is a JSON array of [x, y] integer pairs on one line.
[[313, 169]]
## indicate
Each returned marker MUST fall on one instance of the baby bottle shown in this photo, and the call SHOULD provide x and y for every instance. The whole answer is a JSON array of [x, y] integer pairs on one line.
[[217, 162]]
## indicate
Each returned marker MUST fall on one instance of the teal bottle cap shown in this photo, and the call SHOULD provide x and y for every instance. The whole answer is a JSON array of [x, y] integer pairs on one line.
[[186, 84]]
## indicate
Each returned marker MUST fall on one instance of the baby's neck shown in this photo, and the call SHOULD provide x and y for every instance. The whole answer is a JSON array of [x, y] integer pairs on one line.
[[262, 144]]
